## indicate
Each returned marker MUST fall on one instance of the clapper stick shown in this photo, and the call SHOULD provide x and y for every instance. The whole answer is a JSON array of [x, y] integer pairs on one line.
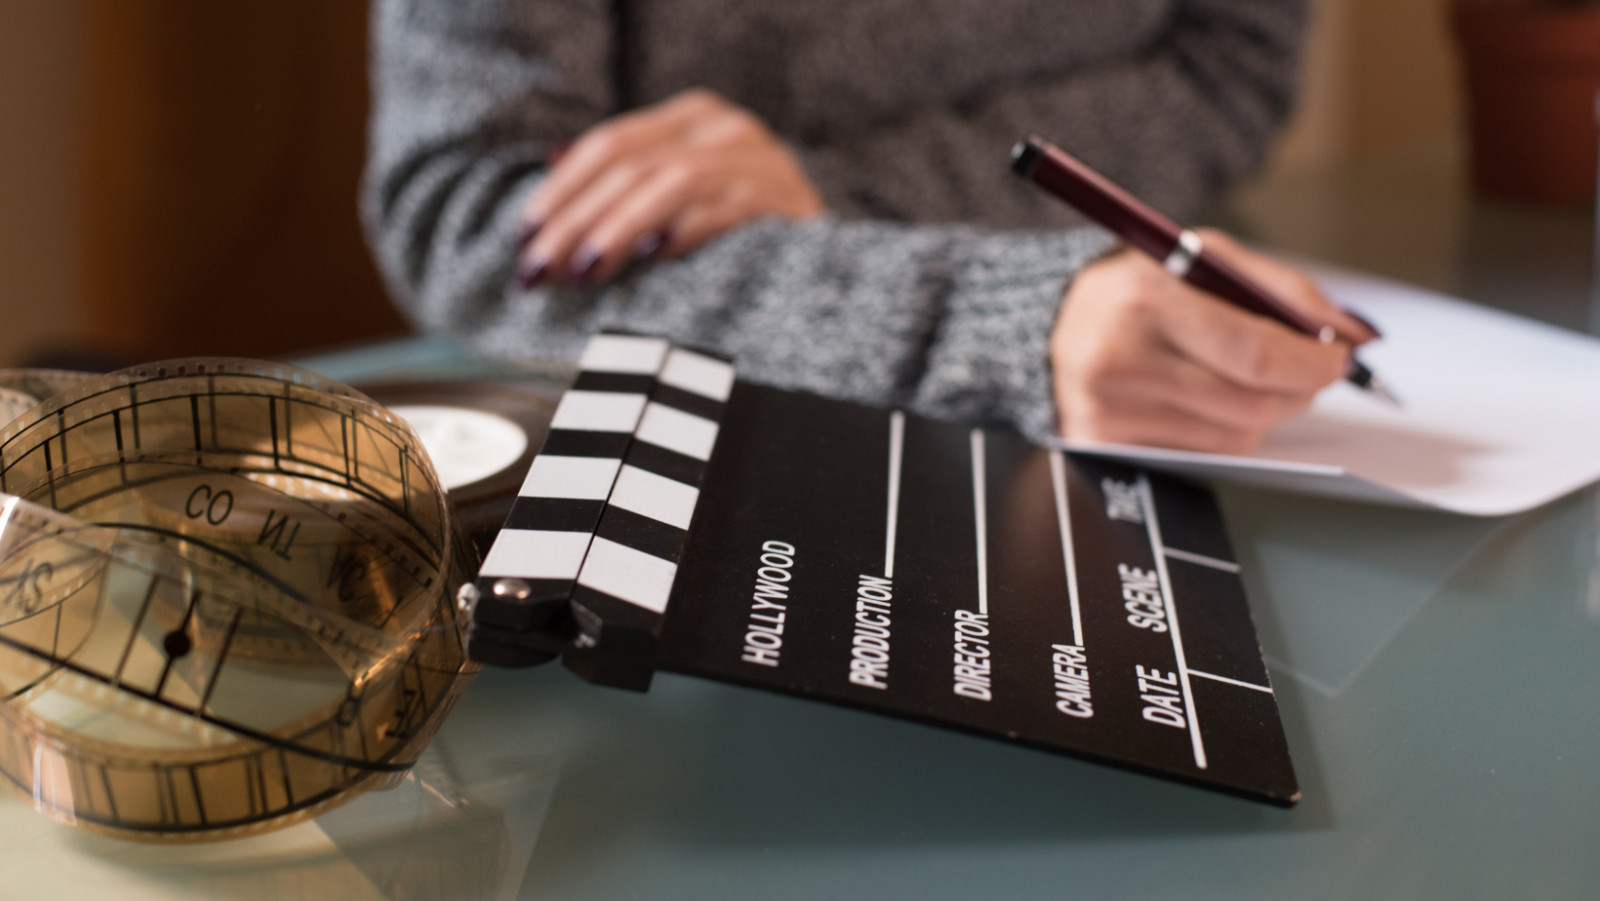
[[585, 564], [519, 603]]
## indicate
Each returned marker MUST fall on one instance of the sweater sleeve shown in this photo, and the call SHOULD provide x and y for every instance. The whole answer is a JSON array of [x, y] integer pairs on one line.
[[949, 321], [1190, 115]]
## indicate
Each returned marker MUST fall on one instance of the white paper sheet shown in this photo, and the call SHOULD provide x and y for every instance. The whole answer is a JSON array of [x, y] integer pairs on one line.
[[1501, 413]]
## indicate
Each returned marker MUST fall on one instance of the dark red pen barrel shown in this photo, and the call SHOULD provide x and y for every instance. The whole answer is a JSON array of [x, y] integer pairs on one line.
[[1094, 196], [1214, 276]]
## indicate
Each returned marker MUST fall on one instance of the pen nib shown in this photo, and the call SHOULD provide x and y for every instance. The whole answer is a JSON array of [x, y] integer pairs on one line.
[[1379, 389]]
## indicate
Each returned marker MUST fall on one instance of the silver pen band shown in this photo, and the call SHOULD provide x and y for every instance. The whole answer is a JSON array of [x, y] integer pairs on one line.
[[1183, 254]]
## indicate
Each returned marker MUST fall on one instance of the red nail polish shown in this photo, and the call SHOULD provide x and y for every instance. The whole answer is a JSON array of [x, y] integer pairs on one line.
[[557, 152], [1364, 321], [585, 264], [653, 245], [533, 272], [646, 245]]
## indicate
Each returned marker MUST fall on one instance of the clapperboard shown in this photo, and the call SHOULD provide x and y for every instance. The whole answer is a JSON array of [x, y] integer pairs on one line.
[[678, 519]]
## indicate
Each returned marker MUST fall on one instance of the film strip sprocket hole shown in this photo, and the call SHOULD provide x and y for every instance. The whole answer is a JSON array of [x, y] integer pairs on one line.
[[224, 599]]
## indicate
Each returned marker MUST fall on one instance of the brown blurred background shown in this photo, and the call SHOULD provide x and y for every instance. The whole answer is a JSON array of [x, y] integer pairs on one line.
[[179, 176]]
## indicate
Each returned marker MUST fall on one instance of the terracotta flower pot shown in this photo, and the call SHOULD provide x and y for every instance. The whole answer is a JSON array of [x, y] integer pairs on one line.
[[1532, 75]]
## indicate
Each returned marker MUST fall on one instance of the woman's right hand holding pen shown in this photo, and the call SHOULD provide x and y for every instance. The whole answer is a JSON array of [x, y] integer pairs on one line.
[[1141, 357]]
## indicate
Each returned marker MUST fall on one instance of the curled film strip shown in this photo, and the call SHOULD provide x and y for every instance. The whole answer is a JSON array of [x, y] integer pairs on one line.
[[225, 597]]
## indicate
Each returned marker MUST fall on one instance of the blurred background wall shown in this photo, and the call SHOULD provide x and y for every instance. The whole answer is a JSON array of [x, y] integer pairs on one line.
[[1379, 77], [41, 142], [179, 176]]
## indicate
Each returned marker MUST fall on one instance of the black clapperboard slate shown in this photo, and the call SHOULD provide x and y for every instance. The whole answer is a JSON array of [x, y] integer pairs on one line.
[[959, 577]]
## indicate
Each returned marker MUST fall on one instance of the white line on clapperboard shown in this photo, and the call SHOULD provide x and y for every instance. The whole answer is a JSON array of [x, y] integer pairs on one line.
[[1224, 565], [1154, 527], [1058, 481], [897, 443], [1214, 677], [980, 509]]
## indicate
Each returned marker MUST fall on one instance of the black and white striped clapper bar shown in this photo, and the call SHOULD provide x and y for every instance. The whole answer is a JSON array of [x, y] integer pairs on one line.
[[584, 565]]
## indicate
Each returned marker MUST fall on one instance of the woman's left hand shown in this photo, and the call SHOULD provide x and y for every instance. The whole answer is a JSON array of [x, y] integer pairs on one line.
[[659, 181]]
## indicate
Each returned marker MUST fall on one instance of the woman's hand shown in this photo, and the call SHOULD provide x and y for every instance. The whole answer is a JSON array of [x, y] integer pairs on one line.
[[1141, 357], [659, 181]]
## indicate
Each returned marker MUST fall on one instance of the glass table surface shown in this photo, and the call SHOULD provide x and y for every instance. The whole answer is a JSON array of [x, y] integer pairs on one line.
[[1436, 674]]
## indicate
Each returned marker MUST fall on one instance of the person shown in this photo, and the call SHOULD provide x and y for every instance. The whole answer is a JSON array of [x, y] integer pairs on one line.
[[821, 191]]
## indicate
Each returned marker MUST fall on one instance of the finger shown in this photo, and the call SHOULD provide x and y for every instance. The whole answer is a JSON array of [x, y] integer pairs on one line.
[[701, 222], [648, 210], [603, 147], [724, 191], [1153, 425], [1249, 350], [556, 248], [1290, 285], [1166, 379]]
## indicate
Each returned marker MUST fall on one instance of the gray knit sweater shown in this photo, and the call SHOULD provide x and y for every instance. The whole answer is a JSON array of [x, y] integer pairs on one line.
[[919, 289]]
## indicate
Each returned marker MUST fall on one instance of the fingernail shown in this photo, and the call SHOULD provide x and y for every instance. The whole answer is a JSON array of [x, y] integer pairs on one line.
[[584, 264], [1365, 322], [661, 242], [533, 271], [529, 231], [650, 245], [557, 152]]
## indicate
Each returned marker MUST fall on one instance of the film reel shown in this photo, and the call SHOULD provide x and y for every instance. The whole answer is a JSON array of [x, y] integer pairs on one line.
[[225, 597]]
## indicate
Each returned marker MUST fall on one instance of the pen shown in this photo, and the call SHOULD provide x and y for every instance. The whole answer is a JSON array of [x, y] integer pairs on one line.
[[1178, 249]]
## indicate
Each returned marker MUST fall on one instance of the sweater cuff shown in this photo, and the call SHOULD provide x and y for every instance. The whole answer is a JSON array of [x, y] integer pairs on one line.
[[990, 361]]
